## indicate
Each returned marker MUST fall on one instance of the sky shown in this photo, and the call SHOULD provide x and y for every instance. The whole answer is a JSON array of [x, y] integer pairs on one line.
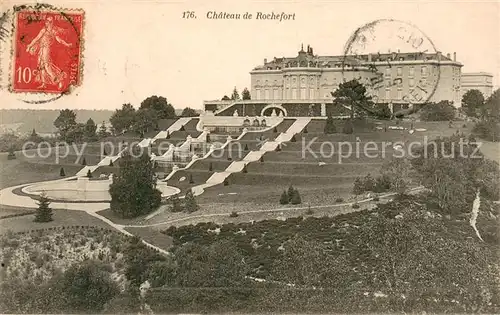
[[135, 49]]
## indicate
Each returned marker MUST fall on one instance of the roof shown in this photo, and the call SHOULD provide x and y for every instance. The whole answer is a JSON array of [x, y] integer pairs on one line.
[[309, 59]]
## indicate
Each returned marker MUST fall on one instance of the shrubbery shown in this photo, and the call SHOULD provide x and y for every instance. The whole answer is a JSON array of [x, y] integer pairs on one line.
[[442, 111], [487, 130]]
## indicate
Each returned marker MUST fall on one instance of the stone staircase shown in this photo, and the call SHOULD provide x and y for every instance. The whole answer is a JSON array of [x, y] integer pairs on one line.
[[253, 156]]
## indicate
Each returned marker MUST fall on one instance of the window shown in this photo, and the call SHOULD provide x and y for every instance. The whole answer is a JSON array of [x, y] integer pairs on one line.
[[276, 94], [412, 82], [266, 94], [388, 72], [412, 71], [400, 71], [423, 70], [400, 94], [312, 94], [303, 94], [387, 93], [258, 94], [388, 83], [294, 94]]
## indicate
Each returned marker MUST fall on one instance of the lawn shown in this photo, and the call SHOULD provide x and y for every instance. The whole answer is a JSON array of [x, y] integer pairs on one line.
[[61, 218], [152, 236]]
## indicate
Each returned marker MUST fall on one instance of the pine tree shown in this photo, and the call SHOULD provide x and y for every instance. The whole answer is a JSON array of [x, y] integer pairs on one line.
[[293, 139], [208, 138], [103, 131], [89, 174], [210, 167], [245, 169], [176, 204], [191, 180], [182, 128], [278, 148], [348, 128], [44, 212], [261, 160], [284, 198], [295, 200], [190, 204], [305, 130], [111, 163], [330, 125], [275, 130], [104, 152], [290, 192], [358, 187], [368, 183], [61, 172], [84, 161], [246, 147], [168, 135], [226, 182]]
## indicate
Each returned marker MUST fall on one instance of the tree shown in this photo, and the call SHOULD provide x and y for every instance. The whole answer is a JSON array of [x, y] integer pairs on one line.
[[235, 96], [176, 204], [61, 172], [226, 182], [368, 183], [111, 162], [89, 174], [284, 198], [189, 112], [210, 167], [358, 187], [246, 147], [191, 181], [245, 95], [330, 125], [162, 108], [261, 160], [133, 191], [353, 94], [290, 192], [84, 161], [472, 103], [90, 129], [86, 287], [245, 170], [226, 98], [190, 204], [145, 120], [65, 122], [491, 110], [43, 212], [138, 259], [103, 131], [348, 127], [295, 200], [400, 172], [442, 111], [76, 134], [123, 119]]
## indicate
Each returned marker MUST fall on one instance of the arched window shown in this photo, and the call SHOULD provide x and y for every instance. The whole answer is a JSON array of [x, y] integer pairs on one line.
[[256, 123], [263, 123], [246, 122]]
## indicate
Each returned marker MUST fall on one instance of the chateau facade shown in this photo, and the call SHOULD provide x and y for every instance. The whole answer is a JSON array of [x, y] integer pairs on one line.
[[303, 85]]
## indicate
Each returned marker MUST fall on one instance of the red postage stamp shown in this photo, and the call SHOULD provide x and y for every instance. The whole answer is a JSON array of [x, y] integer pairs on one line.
[[47, 50]]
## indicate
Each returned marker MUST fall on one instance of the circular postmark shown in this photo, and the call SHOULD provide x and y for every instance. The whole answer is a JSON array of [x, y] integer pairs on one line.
[[46, 52], [394, 60]]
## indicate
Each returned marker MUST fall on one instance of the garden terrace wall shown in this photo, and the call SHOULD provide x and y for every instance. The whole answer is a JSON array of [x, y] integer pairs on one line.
[[270, 134], [328, 157], [199, 177], [273, 180], [313, 169], [182, 135], [106, 169], [218, 165]]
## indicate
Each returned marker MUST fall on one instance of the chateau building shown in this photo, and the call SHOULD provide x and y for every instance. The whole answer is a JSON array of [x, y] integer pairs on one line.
[[303, 85]]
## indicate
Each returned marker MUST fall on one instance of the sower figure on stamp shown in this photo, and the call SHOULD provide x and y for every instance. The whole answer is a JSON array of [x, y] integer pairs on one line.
[[41, 44]]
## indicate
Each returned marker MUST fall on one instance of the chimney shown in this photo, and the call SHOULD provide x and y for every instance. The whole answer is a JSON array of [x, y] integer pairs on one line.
[[312, 53], [454, 56], [438, 53], [448, 55], [265, 60]]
